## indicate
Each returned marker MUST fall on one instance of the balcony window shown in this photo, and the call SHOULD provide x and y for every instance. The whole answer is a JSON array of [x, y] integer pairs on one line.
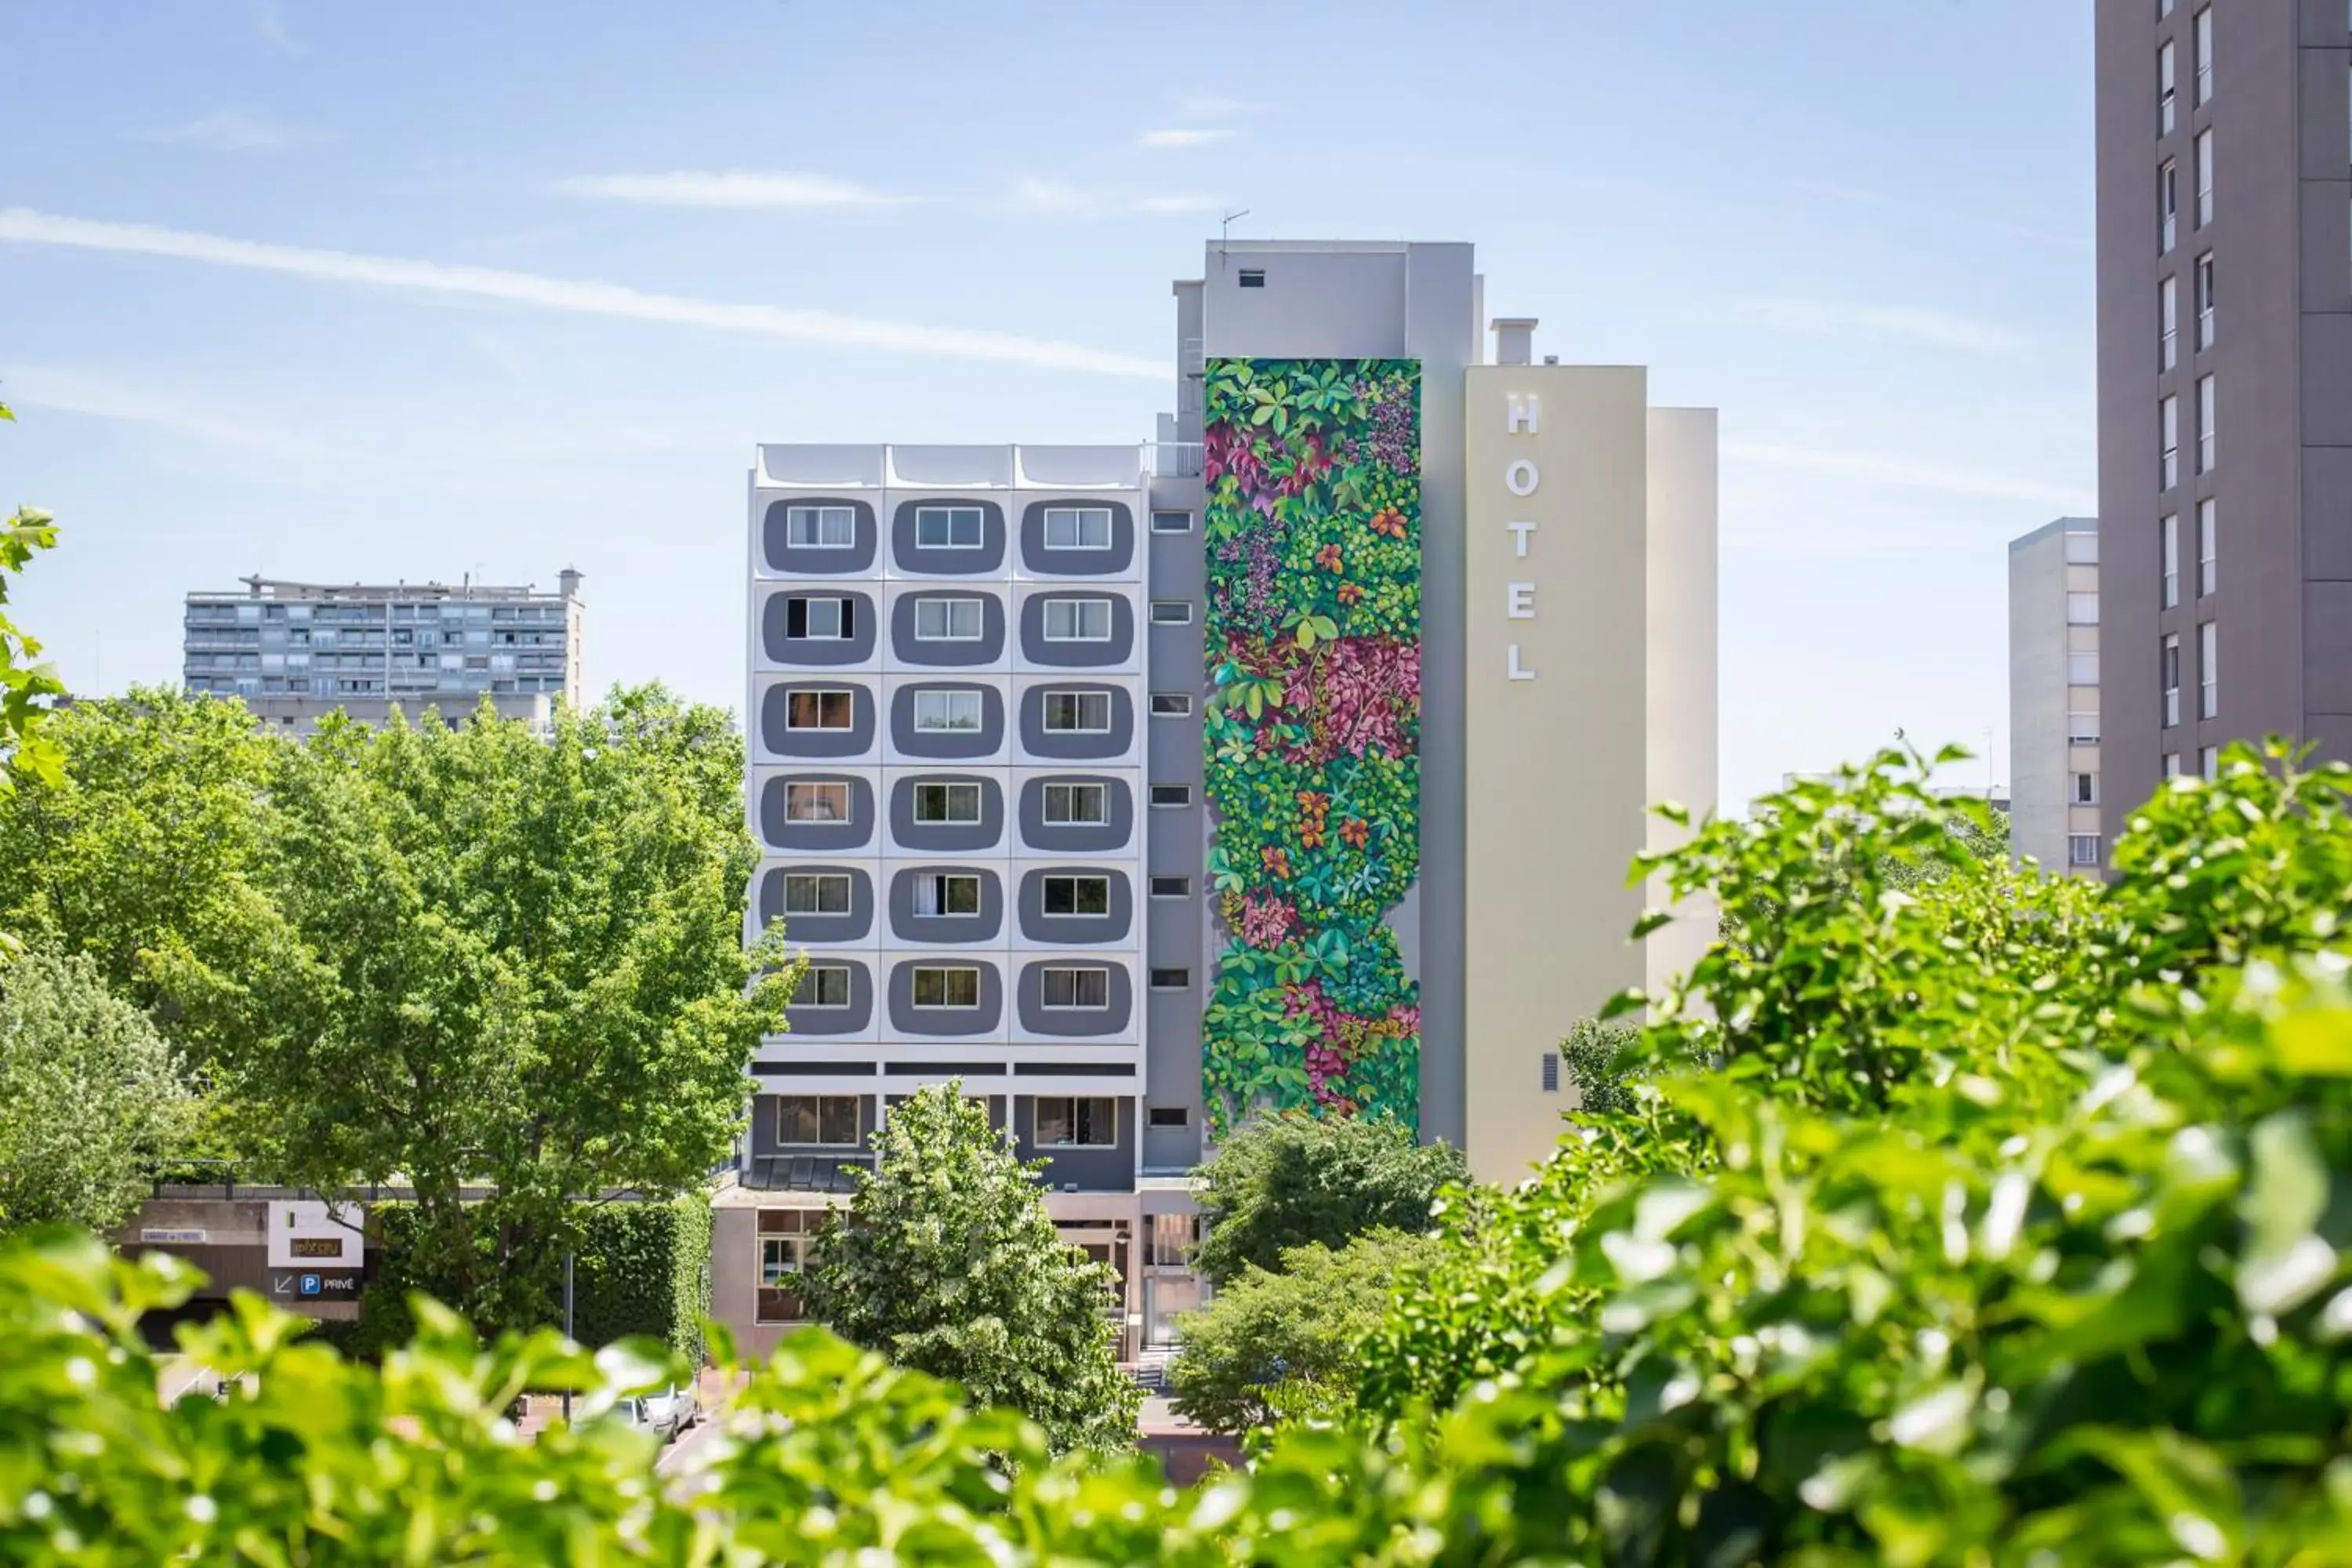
[[2170, 669], [1077, 620], [1077, 713], [1067, 989], [947, 528], [948, 620], [819, 710], [1077, 528], [817, 802], [2208, 568], [2208, 688], [820, 527], [2206, 411], [2204, 177], [948, 712], [2170, 551], [2203, 39], [946, 893], [947, 987]]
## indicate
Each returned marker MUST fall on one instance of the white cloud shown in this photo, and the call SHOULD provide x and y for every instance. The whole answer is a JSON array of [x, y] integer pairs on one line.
[[1937, 329], [270, 23], [1875, 470], [578, 296], [97, 397], [733, 188], [229, 131], [1052, 197], [1192, 138], [1060, 198]]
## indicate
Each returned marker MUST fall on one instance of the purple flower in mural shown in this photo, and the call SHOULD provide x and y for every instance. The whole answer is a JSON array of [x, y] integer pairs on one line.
[[1395, 439]]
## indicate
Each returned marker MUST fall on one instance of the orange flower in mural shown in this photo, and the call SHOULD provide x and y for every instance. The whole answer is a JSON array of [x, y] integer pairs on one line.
[[1350, 592], [1388, 520], [1328, 558], [1276, 860], [1313, 800], [1356, 831]]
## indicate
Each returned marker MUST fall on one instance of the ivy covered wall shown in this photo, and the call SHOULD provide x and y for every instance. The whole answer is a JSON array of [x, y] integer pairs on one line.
[[1312, 734]]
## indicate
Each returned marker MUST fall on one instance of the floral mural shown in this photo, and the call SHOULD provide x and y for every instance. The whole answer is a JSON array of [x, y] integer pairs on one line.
[[1312, 731]]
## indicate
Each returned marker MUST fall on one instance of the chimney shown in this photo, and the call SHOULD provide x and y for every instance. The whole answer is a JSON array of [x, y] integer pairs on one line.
[[569, 582], [1514, 339]]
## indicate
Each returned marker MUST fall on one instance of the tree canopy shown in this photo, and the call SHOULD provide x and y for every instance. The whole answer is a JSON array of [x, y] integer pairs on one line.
[[26, 688], [1290, 1180], [93, 1095], [1992, 1219], [1287, 1344], [529, 972], [461, 954], [948, 1263]]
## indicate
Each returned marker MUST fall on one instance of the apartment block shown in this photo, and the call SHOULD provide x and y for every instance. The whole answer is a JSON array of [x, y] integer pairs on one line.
[[2054, 697], [2226, 557], [1293, 759], [296, 652]]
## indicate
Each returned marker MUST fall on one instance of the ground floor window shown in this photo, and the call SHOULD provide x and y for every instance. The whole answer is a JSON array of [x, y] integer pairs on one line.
[[1063, 1122], [785, 1237]]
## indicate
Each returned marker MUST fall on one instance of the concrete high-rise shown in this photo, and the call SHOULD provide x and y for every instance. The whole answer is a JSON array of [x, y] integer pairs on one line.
[[2225, 557], [2055, 775], [299, 652], [1296, 758]]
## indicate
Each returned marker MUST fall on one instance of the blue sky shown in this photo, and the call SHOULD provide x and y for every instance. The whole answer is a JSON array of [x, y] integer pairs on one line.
[[341, 291]]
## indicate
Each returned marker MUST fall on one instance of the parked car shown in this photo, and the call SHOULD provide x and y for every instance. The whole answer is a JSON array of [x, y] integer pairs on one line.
[[665, 1415]]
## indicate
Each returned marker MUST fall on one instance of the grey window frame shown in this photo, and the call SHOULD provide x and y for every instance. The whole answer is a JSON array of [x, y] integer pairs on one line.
[[1085, 515], [1076, 975], [820, 515], [1075, 881], [948, 973], [953, 514], [948, 789]]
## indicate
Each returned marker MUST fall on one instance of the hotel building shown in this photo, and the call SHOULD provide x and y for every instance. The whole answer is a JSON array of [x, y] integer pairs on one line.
[[1138, 787]]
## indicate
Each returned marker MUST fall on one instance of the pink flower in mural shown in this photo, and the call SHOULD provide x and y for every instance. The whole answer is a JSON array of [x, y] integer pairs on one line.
[[1267, 922]]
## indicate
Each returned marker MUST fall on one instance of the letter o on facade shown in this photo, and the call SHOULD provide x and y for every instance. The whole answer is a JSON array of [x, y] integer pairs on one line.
[[1520, 477]]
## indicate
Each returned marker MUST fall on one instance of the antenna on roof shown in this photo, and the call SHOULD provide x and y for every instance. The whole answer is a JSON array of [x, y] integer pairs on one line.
[[1225, 228]]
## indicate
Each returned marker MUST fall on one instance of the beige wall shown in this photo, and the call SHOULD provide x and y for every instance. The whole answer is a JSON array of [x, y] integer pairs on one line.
[[1681, 662], [1559, 764]]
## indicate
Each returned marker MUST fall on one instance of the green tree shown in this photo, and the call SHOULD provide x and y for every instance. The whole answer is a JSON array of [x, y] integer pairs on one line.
[[26, 687], [1287, 1344], [1290, 1180], [948, 1263], [151, 854], [91, 1092], [2074, 1288], [1594, 1055], [529, 973]]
